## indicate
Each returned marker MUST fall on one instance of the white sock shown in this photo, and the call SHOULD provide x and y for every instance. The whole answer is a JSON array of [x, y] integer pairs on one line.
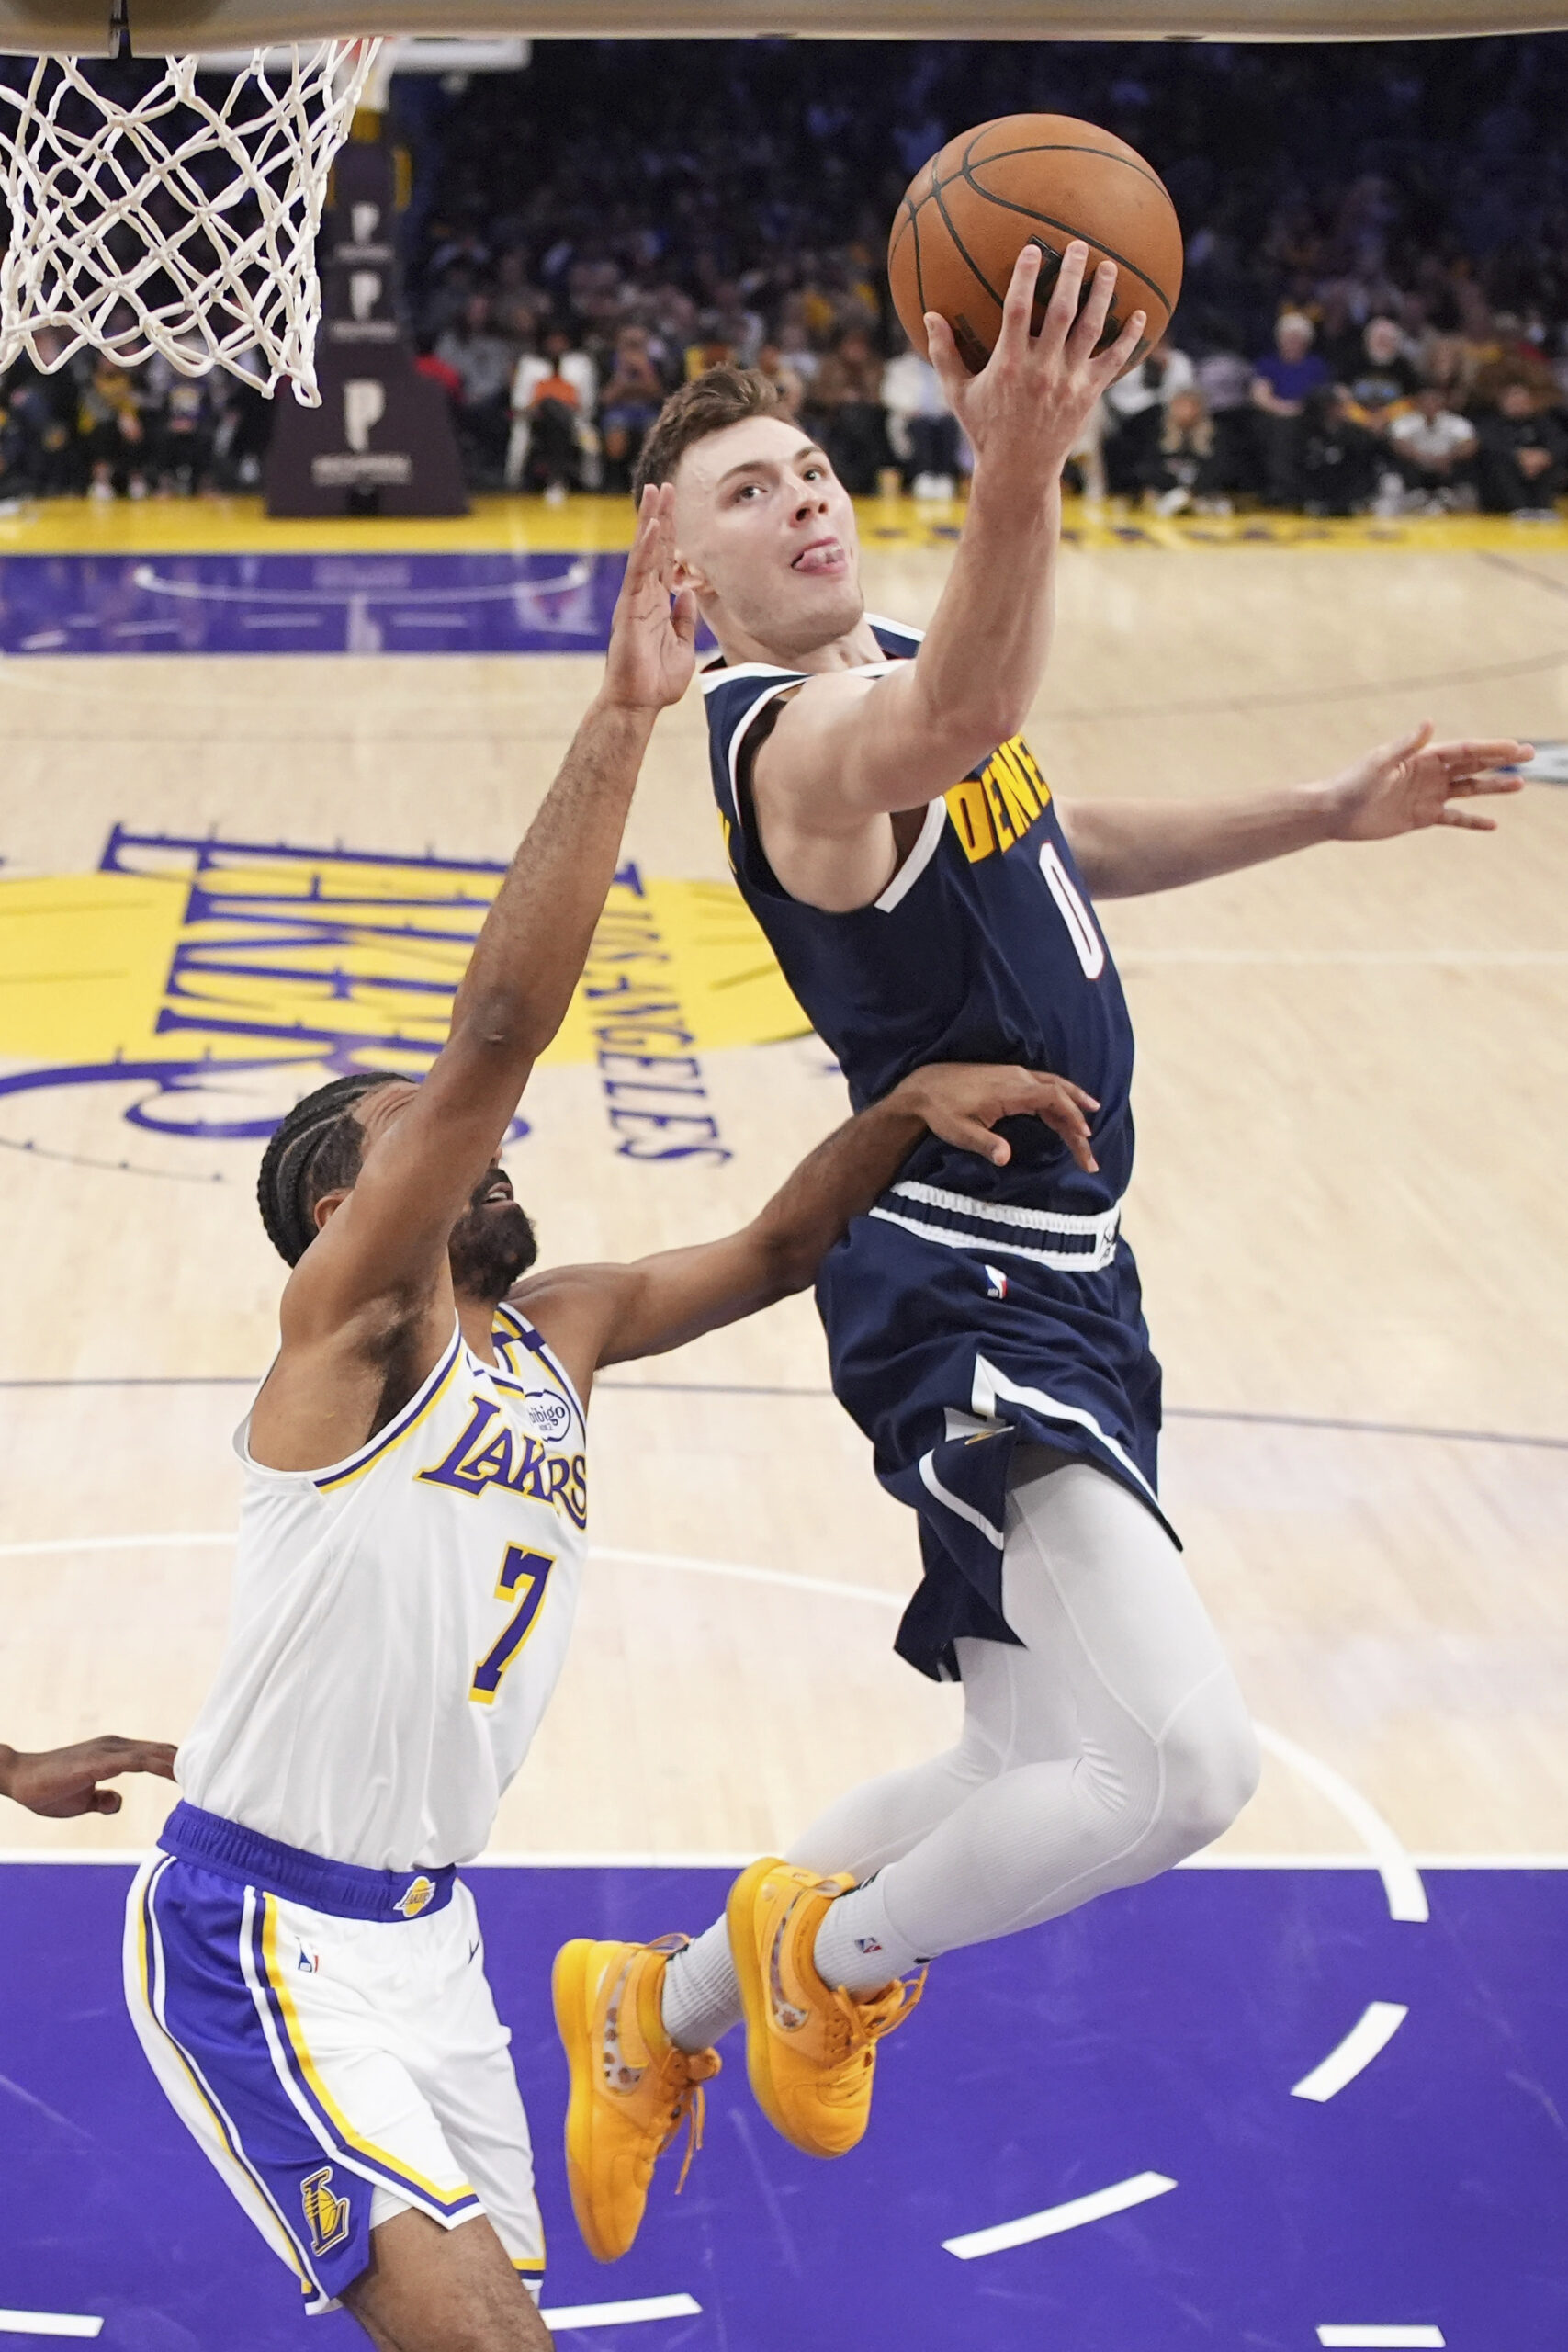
[[858, 1946], [701, 1998]]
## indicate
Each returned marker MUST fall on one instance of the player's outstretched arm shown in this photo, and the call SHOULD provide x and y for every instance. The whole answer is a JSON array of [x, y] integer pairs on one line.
[[847, 749], [1127, 848], [428, 1147], [594, 1315], [63, 1782]]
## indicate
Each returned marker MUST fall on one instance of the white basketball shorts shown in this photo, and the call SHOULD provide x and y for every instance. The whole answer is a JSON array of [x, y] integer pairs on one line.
[[336, 2070]]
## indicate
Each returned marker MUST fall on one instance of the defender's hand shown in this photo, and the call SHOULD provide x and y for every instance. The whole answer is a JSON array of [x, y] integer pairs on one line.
[[1402, 787], [960, 1102], [653, 633], [1025, 410], [62, 1781]]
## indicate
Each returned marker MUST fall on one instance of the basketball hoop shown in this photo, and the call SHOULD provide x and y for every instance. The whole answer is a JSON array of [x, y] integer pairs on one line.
[[155, 209]]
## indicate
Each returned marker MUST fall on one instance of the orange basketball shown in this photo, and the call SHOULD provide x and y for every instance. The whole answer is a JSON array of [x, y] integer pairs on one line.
[[1030, 179]]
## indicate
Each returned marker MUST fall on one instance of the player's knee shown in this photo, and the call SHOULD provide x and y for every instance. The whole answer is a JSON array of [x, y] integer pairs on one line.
[[1210, 1767]]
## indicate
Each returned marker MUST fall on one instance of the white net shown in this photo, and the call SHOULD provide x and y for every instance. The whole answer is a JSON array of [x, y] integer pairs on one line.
[[161, 207]]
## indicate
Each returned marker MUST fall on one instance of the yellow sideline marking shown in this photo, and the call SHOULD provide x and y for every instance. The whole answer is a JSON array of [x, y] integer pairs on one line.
[[591, 525]]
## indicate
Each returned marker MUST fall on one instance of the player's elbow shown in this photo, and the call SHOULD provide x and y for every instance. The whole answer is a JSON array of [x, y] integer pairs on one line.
[[990, 712], [1003, 717], [495, 1029]]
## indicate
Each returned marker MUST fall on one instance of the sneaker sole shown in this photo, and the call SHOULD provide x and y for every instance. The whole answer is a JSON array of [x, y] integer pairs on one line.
[[574, 2024]]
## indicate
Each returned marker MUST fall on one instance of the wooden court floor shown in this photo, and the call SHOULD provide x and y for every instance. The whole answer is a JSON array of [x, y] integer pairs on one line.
[[1353, 1113]]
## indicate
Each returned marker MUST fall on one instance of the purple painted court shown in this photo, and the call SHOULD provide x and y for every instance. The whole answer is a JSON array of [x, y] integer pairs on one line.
[[1146, 2046], [306, 604]]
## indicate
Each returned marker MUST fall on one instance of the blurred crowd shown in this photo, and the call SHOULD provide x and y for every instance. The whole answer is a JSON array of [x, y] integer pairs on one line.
[[1374, 315], [92, 429]]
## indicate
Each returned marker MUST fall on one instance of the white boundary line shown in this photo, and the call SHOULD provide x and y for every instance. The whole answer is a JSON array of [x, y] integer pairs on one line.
[[1401, 1878], [199, 592], [622, 2314], [716, 1859], [49, 2323], [1239, 957], [874, 1595], [1362, 2338], [1372, 2032], [175, 1542], [1096, 2207]]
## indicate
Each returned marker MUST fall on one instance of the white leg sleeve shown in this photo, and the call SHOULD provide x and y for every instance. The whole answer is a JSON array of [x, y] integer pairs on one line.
[[1160, 1758], [1010, 1699], [1018, 1706]]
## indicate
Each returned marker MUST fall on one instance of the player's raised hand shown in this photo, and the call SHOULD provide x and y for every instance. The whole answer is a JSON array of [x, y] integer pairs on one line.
[[1028, 405], [653, 632], [962, 1102], [63, 1782], [1406, 785]]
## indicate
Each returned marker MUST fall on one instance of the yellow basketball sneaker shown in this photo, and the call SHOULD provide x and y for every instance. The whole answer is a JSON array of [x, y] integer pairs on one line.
[[811, 2047], [631, 2089]]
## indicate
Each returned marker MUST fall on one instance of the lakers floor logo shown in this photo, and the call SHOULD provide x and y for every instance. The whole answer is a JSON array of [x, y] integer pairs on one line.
[[327, 2216], [202, 985]]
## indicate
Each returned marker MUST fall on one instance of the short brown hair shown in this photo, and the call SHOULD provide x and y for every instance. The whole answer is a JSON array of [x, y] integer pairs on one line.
[[709, 403]]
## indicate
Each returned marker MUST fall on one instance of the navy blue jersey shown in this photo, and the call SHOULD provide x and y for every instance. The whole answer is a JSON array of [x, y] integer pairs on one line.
[[974, 1305]]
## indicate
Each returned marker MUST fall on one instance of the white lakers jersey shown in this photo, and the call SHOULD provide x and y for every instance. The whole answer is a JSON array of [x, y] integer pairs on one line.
[[400, 1621]]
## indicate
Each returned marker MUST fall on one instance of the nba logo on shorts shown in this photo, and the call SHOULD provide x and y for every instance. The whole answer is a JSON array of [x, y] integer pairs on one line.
[[328, 2215], [996, 1281]]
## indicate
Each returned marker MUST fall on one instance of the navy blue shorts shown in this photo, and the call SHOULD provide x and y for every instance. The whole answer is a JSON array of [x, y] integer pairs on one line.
[[950, 1356]]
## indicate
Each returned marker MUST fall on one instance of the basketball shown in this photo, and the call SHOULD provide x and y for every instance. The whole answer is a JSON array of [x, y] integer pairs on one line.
[[1030, 179]]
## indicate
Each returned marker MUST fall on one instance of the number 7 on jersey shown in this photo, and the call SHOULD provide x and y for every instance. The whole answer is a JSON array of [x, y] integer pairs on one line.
[[523, 1578]]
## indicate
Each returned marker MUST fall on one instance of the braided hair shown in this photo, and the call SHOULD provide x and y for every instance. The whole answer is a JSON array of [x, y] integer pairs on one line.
[[316, 1148]]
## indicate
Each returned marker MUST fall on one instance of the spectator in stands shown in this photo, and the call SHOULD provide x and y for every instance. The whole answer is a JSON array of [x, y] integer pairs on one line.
[[1522, 454], [178, 419], [113, 436], [631, 399], [1339, 461], [1135, 407], [43, 446], [921, 429], [1433, 447], [707, 349], [429, 364], [1225, 379], [846, 396], [1381, 376], [553, 398], [240, 443], [1185, 468], [733, 323], [518, 306], [1284, 381], [483, 358], [784, 379], [749, 206], [796, 351]]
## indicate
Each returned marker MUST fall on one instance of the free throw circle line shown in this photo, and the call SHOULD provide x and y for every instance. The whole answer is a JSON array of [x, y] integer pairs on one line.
[[1406, 1895]]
